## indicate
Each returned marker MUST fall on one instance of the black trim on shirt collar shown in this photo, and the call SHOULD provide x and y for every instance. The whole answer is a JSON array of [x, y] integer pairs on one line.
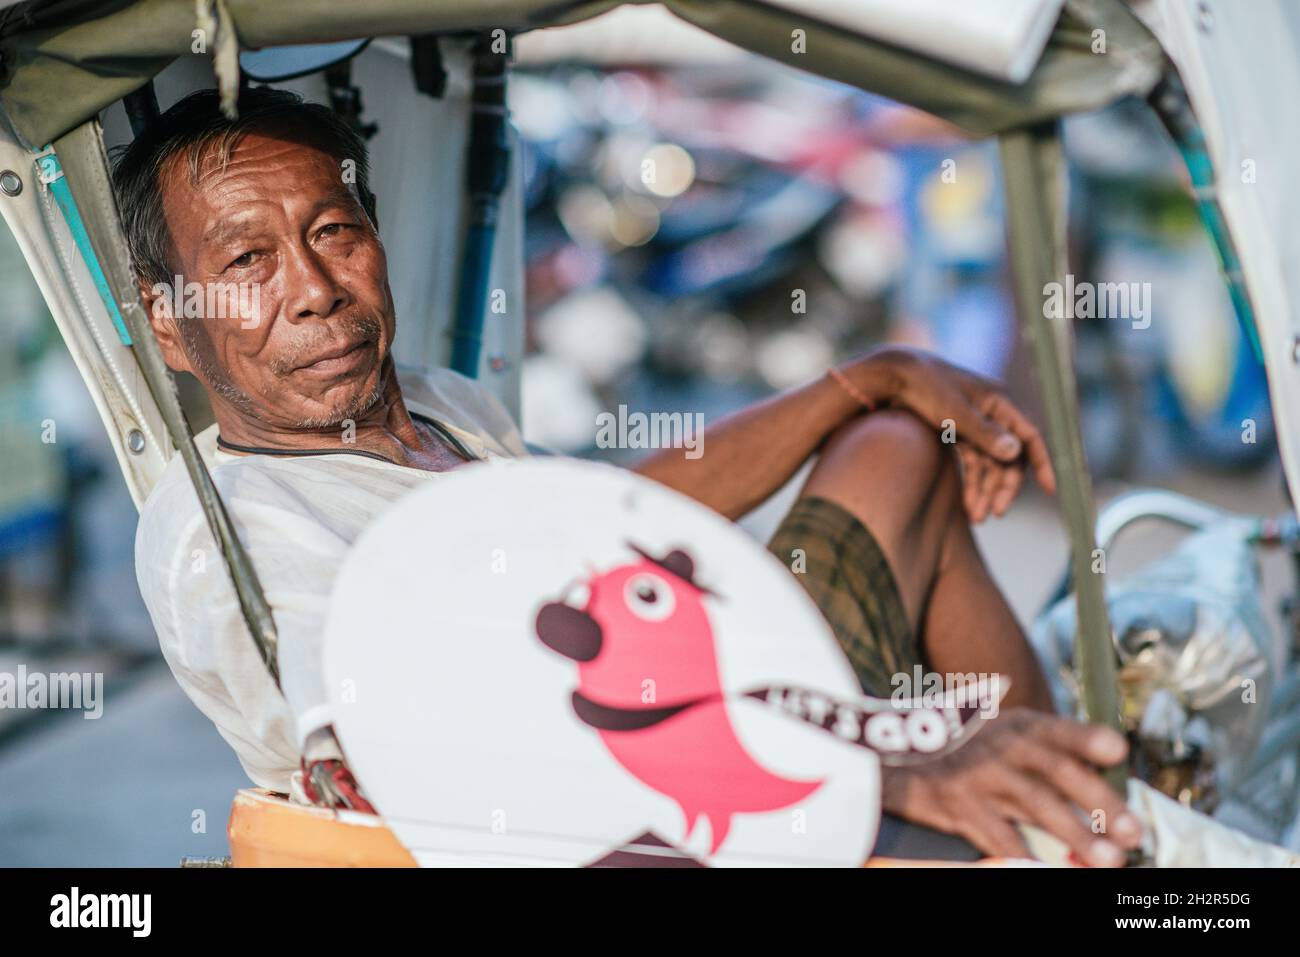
[[437, 426]]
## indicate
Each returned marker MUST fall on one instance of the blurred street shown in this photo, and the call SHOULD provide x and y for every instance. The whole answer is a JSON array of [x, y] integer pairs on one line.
[[124, 790]]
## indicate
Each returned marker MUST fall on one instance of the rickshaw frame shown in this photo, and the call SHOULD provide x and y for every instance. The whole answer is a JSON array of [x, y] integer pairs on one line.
[[1025, 118]]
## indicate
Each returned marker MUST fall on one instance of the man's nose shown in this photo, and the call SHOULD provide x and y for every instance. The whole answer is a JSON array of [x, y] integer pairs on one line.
[[313, 290], [568, 630]]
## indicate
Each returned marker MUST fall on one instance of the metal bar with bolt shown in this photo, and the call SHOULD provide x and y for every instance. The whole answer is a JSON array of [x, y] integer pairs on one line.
[[85, 165]]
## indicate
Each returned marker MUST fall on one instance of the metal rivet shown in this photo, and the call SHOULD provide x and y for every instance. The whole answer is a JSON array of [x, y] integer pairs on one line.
[[1295, 349], [135, 441], [11, 184], [1204, 16]]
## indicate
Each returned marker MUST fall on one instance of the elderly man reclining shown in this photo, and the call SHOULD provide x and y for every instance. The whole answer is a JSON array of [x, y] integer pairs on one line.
[[319, 432]]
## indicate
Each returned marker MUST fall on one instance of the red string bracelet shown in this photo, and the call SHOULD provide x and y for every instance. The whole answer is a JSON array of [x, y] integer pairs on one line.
[[854, 392]]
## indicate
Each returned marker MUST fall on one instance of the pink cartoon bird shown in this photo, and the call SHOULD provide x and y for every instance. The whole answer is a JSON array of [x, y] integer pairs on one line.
[[648, 682]]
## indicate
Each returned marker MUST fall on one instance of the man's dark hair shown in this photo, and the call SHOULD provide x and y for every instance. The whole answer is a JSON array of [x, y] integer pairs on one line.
[[192, 127]]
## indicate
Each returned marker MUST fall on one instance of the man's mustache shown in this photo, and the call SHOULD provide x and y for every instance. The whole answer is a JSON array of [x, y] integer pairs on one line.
[[363, 328]]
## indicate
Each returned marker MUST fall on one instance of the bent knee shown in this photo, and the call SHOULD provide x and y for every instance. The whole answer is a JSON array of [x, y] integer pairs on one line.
[[895, 438], [887, 461]]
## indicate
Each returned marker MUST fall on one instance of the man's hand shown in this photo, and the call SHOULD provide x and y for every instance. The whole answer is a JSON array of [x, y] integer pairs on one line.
[[753, 452], [1022, 766], [995, 440]]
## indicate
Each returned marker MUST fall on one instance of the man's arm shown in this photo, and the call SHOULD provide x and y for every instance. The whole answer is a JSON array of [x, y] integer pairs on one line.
[[750, 454]]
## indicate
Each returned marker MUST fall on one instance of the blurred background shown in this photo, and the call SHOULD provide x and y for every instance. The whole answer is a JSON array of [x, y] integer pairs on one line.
[[698, 236]]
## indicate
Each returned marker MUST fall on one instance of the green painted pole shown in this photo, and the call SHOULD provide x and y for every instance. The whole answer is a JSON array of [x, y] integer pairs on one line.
[[1033, 170]]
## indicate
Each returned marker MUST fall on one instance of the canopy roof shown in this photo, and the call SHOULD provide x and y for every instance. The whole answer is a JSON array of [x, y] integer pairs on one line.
[[65, 60]]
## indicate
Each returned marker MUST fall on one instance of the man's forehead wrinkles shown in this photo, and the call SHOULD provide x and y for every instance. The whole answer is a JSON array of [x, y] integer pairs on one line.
[[339, 195], [223, 230], [253, 217], [215, 156], [232, 227], [247, 194]]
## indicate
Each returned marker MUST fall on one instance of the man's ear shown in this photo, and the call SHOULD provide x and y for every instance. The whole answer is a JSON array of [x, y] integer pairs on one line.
[[158, 300]]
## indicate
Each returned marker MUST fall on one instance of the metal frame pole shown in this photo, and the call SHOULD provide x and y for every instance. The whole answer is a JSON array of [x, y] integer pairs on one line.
[[85, 164], [1033, 170]]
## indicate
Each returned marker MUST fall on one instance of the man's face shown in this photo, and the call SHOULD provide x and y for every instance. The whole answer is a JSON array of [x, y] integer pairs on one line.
[[307, 346]]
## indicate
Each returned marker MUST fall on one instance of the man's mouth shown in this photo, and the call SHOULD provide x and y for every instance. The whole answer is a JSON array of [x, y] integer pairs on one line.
[[605, 717], [337, 361]]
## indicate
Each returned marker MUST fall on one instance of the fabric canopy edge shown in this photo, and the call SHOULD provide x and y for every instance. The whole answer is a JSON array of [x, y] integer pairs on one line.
[[56, 75], [60, 75]]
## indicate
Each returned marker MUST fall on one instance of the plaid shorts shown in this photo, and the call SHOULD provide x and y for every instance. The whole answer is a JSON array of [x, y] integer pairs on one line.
[[840, 565]]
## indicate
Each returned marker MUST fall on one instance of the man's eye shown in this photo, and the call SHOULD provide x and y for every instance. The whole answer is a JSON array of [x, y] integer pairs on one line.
[[333, 229], [241, 261]]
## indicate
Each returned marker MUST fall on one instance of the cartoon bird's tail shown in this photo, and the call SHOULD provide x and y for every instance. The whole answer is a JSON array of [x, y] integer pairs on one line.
[[719, 826]]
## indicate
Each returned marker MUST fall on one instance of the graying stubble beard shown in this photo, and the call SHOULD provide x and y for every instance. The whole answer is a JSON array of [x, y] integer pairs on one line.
[[209, 373], [356, 409], [221, 384]]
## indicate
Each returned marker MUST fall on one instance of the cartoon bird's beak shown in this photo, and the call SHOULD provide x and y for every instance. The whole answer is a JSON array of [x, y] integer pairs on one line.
[[571, 632]]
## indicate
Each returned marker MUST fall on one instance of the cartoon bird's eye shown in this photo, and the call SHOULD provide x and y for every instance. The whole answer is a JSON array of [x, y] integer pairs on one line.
[[649, 597]]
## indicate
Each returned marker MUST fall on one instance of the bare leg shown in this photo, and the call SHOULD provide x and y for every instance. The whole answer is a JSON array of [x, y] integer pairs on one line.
[[892, 473], [968, 625]]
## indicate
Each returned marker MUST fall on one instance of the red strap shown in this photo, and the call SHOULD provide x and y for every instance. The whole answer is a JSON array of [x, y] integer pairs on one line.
[[337, 780]]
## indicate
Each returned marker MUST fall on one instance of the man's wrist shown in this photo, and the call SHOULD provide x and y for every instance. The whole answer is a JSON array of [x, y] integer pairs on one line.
[[893, 789], [879, 375], [908, 793]]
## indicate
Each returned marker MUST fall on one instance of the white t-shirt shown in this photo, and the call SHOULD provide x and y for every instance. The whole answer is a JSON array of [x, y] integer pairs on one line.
[[297, 516]]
